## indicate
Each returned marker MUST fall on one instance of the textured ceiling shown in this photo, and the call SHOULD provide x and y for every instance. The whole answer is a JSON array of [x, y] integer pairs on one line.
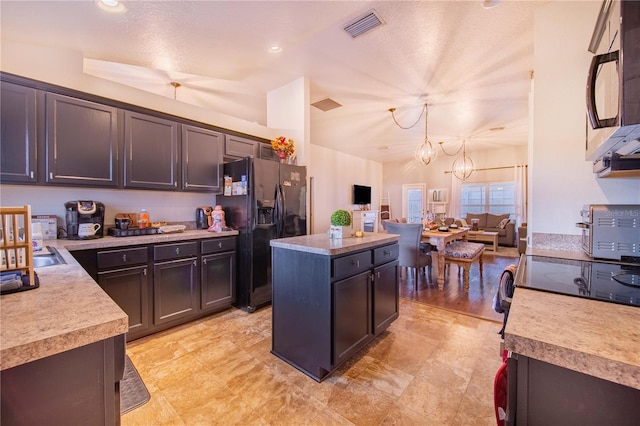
[[470, 64]]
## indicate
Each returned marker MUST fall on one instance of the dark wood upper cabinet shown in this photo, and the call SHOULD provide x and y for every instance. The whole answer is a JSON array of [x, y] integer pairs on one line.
[[18, 133], [81, 142], [267, 153], [236, 147], [201, 159], [151, 152]]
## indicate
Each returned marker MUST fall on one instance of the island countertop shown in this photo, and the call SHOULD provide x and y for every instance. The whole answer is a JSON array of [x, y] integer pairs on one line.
[[589, 336], [322, 244], [69, 309]]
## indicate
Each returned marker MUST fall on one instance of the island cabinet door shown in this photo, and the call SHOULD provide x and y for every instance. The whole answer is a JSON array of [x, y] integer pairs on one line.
[[385, 296], [351, 316]]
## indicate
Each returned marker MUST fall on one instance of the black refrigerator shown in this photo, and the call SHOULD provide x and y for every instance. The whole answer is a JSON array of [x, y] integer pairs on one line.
[[274, 207]]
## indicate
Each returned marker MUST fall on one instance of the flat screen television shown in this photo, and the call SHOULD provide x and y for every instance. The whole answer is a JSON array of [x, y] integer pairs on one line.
[[361, 194]]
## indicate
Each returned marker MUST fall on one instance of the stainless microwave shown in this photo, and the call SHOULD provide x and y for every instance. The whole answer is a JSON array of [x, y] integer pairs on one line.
[[613, 88]]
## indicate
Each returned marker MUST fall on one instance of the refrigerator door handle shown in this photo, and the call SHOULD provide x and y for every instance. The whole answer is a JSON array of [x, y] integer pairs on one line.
[[279, 211]]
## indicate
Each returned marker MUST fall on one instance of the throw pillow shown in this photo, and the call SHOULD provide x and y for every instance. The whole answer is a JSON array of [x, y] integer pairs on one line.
[[463, 222], [503, 223]]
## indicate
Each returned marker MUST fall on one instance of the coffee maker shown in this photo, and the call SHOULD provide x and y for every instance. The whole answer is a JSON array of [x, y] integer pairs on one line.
[[83, 211], [203, 217]]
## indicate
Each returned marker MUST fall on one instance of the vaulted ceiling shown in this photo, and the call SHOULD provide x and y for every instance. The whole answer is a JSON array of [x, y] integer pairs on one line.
[[471, 65]]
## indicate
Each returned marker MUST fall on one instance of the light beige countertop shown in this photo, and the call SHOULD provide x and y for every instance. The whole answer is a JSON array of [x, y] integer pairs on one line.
[[589, 336], [69, 309], [322, 244]]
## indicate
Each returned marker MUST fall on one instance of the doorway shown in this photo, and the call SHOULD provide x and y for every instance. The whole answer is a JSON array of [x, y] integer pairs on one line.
[[413, 201]]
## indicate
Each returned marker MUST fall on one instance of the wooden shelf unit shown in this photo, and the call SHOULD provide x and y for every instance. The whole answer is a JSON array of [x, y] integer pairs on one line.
[[17, 254]]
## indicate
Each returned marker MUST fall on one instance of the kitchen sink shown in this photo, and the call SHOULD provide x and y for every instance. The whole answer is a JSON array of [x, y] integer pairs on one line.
[[42, 260]]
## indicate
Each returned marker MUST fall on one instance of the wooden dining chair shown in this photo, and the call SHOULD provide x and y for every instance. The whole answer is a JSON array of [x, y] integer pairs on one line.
[[411, 255]]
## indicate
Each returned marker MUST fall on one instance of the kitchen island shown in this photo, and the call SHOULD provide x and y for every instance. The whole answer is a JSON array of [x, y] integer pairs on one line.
[[62, 345], [576, 360], [331, 297]]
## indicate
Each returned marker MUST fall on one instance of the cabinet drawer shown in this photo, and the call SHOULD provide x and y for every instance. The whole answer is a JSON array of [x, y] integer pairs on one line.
[[218, 245], [350, 265], [385, 254], [122, 257], [175, 251]]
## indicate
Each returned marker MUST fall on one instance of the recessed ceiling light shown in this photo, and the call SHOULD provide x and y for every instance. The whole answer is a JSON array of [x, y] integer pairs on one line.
[[113, 6], [275, 49]]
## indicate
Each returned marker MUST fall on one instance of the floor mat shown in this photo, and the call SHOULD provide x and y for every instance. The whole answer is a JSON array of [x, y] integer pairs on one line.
[[133, 392]]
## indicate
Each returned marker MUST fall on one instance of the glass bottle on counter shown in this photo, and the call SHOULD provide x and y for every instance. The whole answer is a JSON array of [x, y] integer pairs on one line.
[[143, 219]]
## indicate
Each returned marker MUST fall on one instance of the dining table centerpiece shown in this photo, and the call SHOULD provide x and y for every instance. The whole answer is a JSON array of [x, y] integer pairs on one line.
[[283, 147]]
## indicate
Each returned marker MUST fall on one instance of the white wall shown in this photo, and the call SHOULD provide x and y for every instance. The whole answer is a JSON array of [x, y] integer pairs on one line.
[[434, 176], [64, 68], [334, 174], [161, 205], [561, 180]]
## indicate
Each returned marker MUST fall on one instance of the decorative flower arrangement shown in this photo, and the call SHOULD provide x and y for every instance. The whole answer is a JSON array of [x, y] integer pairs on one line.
[[282, 146]]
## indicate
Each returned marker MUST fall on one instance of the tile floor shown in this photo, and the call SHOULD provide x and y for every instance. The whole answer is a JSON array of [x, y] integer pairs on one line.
[[431, 367]]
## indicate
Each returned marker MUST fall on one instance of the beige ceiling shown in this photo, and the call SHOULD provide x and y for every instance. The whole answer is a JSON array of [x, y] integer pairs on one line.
[[471, 65]]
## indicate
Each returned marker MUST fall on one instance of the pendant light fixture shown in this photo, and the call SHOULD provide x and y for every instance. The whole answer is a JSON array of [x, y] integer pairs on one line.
[[175, 85], [462, 168], [426, 152]]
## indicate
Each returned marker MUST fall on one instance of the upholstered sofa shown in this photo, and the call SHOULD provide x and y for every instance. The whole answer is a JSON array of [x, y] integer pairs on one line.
[[491, 223]]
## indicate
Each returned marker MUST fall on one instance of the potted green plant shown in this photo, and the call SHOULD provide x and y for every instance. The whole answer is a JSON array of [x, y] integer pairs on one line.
[[340, 219]]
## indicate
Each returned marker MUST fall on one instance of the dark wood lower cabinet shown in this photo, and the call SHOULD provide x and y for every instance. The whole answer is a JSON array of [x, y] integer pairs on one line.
[[163, 285], [327, 308], [217, 281], [129, 288], [385, 296], [77, 387], [540, 393], [351, 315], [174, 290]]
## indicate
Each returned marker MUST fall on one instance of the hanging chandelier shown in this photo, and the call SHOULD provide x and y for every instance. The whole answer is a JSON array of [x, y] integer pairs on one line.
[[462, 168], [426, 152]]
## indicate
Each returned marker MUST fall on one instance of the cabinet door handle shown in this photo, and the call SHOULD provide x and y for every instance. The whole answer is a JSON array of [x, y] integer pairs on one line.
[[219, 245], [357, 263], [144, 271], [177, 250], [387, 253], [204, 261], [124, 257], [31, 174], [378, 274], [186, 184], [50, 175], [175, 184], [195, 263]]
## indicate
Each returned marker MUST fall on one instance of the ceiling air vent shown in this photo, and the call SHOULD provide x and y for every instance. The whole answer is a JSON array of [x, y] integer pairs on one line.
[[363, 23], [326, 104]]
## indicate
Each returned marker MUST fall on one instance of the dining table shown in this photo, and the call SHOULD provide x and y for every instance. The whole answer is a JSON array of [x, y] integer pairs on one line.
[[440, 239]]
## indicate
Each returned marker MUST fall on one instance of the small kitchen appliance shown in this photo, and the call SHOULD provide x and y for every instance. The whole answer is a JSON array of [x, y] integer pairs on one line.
[[83, 211], [611, 231], [613, 124], [203, 217]]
